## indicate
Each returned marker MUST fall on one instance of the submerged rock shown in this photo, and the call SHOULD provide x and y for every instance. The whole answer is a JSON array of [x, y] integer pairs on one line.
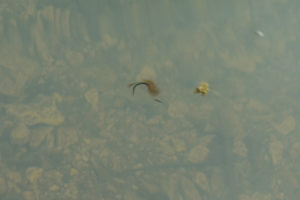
[[3, 186], [33, 174], [44, 111], [20, 134], [198, 154]]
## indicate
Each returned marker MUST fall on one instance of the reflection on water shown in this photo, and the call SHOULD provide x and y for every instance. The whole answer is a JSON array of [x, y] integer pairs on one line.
[[71, 129]]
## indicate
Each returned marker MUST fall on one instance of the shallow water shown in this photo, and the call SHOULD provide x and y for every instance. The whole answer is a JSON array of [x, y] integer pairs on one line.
[[71, 129]]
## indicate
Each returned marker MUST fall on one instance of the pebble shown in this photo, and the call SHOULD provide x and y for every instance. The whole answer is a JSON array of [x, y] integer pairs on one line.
[[20, 134]]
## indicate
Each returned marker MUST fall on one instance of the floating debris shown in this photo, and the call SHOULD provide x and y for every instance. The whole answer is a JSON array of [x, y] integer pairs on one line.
[[152, 88], [203, 88], [259, 33]]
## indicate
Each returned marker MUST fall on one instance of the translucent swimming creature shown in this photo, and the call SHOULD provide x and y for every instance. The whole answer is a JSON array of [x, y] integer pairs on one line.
[[203, 88], [259, 33], [152, 88]]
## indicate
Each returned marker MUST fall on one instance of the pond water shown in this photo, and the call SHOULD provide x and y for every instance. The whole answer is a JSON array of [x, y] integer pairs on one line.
[[71, 128]]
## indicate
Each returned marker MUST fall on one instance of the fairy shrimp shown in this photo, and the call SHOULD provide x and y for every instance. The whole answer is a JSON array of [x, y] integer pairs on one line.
[[151, 87]]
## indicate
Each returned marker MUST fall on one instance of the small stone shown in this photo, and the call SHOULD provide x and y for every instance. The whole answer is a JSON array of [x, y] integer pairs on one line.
[[198, 154], [240, 148], [20, 134], [42, 111], [189, 189], [54, 188], [287, 126], [92, 98], [28, 195], [39, 135], [202, 181], [2, 186], [14, 176], [33, 174], [276, 150], [73, 172]]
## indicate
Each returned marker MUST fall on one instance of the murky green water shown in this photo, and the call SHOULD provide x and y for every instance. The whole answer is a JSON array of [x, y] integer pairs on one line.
[[71, 129]]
